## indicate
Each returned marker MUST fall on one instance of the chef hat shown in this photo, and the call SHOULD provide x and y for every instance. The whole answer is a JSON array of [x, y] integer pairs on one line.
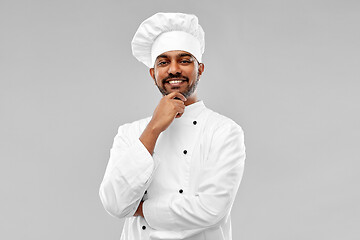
[[164, 32]]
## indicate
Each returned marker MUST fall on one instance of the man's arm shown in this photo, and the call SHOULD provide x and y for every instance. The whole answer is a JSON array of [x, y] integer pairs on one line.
[[131, 166], [218, 186], [167, 110], [127, 174]]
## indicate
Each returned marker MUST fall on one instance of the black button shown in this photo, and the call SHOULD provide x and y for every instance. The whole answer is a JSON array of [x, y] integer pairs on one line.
[[185, 152], [180, 191], [146, 192], [194, 122], [143, 227]]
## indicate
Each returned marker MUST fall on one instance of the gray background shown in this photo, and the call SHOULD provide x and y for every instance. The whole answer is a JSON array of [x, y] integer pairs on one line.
[[286, 71]]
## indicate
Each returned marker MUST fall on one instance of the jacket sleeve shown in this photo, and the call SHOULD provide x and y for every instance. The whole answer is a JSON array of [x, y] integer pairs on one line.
[[220, 180], [127, 175]]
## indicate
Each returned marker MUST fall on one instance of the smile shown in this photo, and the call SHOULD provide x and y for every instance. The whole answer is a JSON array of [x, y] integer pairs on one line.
[[175, 82]]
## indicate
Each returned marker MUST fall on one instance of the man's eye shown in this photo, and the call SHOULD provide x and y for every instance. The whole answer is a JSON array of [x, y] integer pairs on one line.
[[162, 63], [185, 61]]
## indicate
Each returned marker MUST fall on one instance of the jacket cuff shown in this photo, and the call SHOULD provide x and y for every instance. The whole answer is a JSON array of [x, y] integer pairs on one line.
[[157, 212]]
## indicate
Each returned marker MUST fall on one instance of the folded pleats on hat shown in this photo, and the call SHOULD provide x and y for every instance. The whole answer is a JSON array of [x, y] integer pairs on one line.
[[164, 32]]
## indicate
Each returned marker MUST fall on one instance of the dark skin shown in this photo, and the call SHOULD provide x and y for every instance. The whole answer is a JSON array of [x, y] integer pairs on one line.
[[178, 65], [172, 104]]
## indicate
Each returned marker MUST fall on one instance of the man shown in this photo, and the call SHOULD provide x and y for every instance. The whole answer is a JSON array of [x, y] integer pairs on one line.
[[174, 175]]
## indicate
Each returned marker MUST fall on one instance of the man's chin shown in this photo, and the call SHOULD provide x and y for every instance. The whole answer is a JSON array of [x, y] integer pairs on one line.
[[175, 90]]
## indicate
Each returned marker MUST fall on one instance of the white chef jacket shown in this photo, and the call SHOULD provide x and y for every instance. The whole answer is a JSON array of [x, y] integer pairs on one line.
[[189, 183]]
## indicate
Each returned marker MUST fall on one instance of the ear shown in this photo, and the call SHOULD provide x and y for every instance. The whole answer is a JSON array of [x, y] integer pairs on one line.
[[201, 68], [152, 73]]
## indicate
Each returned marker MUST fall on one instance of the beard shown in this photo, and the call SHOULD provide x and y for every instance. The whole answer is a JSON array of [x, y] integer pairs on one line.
[[190, 89]]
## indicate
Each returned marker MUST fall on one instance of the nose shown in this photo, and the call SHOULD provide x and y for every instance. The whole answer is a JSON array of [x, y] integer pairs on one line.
[[174, 68]]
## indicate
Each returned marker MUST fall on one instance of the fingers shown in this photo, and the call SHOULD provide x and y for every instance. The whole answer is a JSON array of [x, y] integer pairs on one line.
[[179, 108], [178, 115], [177, 101], [177, 95]]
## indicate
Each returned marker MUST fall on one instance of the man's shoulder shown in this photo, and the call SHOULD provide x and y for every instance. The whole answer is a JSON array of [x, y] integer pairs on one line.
[[135, 127]]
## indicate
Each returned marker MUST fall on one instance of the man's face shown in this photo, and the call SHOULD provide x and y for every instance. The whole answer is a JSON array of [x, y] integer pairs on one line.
[[176, 71]]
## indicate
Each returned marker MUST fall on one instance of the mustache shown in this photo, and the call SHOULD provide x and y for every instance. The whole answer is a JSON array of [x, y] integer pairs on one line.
[[174, 76]]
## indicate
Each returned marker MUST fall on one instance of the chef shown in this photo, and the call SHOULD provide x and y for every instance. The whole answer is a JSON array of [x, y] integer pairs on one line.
[[174, 175]]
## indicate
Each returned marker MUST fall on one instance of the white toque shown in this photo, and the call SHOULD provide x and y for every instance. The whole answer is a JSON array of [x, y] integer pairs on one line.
[[164, 32]]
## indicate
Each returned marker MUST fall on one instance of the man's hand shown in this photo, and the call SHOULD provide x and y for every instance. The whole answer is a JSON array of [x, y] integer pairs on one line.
[[139, 211], [170, 106], [166, 111]]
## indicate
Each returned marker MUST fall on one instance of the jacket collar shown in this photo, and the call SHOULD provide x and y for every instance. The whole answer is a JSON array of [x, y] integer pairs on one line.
[[193, 110]]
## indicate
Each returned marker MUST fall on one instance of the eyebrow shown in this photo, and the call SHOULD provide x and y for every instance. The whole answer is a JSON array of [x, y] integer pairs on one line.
[[162, 56], [179, 55], [185, 55]]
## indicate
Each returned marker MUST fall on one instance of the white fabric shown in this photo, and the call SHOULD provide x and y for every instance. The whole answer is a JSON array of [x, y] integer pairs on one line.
[[176, 40], [209, 174], [152, 29]]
